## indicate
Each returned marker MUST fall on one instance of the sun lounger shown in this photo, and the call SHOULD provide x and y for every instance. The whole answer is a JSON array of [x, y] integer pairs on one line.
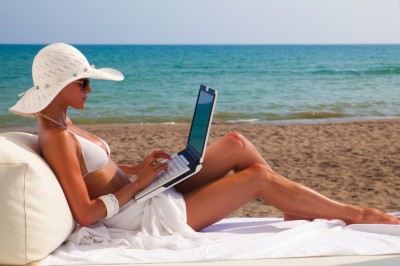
[[37, 228]]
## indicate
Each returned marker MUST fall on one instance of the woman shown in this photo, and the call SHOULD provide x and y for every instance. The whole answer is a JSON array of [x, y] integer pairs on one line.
[[96, 187]]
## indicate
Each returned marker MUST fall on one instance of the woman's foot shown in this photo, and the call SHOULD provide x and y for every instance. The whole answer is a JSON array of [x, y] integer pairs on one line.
[[366, 216], [374, 216]]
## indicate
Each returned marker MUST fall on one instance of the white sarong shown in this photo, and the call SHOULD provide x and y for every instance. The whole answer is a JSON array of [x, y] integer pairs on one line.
[[159, 222]]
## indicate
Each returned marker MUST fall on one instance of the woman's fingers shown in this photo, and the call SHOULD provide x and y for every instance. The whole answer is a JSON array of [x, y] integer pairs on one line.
[[160, 154], [154, 157]]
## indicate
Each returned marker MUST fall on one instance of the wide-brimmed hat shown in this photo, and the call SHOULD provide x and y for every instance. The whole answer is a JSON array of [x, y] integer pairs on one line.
[[54, 67]]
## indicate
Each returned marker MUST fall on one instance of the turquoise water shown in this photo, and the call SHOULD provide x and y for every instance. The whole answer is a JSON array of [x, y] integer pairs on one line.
[[256, 83]]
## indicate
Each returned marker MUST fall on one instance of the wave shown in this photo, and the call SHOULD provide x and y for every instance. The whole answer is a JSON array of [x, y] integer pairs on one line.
[[387, 70], [254, 120], [226, 117]]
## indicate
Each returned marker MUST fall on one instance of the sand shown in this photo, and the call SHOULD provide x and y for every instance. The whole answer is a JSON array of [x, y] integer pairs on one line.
[[353, 162]]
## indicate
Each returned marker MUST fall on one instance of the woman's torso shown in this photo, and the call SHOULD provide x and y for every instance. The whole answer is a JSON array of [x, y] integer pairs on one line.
[[101, 176], [107, 179]]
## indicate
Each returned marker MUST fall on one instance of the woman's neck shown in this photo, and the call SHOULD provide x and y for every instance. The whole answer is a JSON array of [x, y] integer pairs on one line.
[[61, 121]]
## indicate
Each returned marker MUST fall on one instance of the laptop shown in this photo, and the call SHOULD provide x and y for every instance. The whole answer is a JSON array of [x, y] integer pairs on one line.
[[188, 161]]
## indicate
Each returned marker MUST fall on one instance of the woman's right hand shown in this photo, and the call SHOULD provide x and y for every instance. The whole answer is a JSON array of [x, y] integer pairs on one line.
[[150, 167]]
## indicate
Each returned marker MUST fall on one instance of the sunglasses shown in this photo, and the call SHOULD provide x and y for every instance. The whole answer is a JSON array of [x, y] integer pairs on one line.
[[84, 84]]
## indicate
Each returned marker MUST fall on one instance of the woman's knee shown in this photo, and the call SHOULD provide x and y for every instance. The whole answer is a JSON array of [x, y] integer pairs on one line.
[[258, 176], [236, 140], [263, 175], [261, 170]]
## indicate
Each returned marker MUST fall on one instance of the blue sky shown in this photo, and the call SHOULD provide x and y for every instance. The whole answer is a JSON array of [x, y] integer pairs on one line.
[[200, 21]]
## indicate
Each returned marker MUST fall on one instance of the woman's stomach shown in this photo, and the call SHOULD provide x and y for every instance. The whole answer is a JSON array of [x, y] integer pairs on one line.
[[107, 180]]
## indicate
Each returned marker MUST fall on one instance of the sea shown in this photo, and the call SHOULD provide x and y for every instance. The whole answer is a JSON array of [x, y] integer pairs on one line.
[[256, 83]]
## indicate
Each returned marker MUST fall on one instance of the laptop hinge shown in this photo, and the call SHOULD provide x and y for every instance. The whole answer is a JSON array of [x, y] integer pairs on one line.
[[190, 156]]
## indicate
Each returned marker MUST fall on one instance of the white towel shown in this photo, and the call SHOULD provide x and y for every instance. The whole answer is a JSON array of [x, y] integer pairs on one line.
[[240, 238]]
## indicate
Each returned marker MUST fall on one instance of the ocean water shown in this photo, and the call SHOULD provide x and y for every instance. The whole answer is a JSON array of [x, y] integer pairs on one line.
[[256, 83]]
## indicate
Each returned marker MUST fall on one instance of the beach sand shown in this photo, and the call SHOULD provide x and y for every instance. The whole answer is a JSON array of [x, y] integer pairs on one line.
[[354, 162]]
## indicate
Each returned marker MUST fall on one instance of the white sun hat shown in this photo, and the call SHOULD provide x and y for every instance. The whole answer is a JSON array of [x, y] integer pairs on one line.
[[54, 67]]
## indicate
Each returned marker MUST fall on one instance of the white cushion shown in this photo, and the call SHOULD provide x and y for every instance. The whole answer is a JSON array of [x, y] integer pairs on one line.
[[35, 217]]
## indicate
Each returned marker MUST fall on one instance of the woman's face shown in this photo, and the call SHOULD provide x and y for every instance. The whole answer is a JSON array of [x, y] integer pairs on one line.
[[76, 93]]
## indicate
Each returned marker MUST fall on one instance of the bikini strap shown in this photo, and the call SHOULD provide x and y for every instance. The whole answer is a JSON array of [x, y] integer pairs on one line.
[[52, 120]]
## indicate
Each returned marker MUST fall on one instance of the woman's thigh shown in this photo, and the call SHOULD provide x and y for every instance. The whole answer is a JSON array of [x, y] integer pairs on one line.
[[216, 200]]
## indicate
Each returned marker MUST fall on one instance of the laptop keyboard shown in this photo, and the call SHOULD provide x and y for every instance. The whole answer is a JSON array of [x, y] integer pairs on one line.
[[176, 166]]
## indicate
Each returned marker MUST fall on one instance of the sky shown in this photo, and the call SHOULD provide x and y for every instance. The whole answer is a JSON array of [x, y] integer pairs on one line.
[[200, 21]]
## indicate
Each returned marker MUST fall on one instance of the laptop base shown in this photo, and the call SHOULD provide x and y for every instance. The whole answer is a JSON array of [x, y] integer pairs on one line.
[[145, 195]]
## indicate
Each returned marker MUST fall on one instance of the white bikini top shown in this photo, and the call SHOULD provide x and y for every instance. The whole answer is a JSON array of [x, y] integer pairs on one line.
[[94, 156]]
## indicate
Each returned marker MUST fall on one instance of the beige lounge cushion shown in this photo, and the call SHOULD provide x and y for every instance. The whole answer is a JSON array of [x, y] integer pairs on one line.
[[35, 217]]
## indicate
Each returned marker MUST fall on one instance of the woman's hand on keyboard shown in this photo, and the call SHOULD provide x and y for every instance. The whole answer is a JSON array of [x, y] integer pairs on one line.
[[150, 167]]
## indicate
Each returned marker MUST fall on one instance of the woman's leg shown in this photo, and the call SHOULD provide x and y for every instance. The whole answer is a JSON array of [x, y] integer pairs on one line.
[[214, 201], [232, 152]]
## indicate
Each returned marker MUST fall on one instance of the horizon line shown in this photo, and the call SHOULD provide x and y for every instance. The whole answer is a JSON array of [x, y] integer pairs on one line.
[[207, 44]]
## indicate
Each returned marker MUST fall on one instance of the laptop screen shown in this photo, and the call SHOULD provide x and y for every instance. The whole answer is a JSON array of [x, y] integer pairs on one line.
[[201, 120]]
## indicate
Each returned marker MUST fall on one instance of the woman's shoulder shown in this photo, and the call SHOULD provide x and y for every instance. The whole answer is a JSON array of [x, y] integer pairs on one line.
[[55, 138]]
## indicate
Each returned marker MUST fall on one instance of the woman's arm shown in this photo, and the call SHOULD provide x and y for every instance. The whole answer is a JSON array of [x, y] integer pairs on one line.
[[65, 163], [128, 169]]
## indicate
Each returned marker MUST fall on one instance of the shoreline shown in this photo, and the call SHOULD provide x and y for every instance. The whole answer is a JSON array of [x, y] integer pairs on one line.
[[244, 122], [356, 162]]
